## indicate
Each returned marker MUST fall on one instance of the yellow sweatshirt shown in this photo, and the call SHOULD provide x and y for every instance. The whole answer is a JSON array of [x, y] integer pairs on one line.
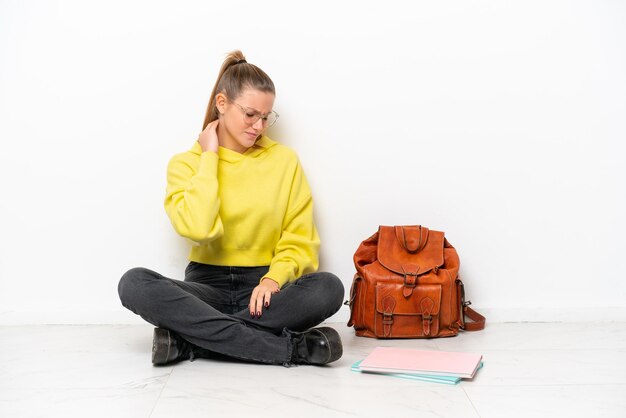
[[251, 209]]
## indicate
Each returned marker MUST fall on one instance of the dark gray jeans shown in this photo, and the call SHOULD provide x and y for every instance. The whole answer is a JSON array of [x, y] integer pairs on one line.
[[210, 308]]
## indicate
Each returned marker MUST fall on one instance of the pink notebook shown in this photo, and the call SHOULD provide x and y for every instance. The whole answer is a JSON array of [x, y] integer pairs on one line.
[[435, 363]]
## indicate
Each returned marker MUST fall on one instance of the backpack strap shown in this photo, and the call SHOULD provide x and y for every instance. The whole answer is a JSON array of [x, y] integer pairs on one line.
[[478, 321]]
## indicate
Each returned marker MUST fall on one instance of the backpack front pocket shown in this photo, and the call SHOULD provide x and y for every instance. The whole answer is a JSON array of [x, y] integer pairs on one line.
[[398, 316]]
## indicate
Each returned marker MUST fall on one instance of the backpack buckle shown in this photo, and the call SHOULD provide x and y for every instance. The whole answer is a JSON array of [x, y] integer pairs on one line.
[[409, 271]]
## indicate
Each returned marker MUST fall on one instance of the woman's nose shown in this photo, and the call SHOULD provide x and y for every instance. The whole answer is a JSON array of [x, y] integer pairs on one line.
[[258, 125]]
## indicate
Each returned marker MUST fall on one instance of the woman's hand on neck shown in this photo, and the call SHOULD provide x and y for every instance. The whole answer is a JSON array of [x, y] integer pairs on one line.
[[209, 138]]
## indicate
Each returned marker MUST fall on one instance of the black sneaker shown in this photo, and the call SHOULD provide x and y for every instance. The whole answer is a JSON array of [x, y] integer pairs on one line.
[[167, 347], [316, 346]]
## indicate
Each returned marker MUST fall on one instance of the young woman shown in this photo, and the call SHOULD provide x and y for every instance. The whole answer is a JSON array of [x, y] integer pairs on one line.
[[250, 289]]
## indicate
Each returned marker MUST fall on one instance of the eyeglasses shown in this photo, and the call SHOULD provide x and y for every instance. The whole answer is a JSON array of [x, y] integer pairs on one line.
[[251, 116]]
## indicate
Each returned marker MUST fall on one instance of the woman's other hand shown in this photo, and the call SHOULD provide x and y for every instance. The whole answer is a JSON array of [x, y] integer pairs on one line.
[[261, 296], [208, 137]]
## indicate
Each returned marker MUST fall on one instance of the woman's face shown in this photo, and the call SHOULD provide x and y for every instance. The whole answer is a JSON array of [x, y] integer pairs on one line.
[[235, 131]]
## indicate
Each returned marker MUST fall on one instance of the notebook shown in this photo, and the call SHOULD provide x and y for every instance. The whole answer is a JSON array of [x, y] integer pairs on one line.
[[424, 362], [448, 380]]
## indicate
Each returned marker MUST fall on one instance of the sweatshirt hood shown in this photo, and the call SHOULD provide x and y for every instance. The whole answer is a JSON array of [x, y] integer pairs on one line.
[[256, 151]]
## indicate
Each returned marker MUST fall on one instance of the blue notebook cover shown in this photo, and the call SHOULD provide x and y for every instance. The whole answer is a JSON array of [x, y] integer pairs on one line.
[[448, 380]]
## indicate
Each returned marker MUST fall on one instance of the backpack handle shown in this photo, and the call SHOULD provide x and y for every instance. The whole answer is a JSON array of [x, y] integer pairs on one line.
[[412, 238]]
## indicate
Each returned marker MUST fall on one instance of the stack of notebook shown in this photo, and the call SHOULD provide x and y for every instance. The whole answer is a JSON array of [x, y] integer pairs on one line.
[[431, 366]]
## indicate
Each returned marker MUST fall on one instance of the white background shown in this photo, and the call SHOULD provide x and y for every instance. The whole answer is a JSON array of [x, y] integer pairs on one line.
[[501, 123]]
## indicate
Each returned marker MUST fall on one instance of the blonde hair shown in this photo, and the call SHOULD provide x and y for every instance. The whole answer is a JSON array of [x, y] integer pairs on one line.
[[235, 76]]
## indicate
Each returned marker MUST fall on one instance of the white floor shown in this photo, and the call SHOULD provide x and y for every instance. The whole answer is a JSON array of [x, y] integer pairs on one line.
[[531, 370]]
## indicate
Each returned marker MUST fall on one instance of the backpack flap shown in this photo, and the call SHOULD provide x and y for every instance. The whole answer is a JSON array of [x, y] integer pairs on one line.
[[410, 251]]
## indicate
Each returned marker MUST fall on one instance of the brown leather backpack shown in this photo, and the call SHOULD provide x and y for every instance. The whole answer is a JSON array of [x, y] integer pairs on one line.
[[407, 286]]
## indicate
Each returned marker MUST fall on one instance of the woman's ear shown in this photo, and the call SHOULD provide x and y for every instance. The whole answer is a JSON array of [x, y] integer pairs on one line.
[[220, 103]]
